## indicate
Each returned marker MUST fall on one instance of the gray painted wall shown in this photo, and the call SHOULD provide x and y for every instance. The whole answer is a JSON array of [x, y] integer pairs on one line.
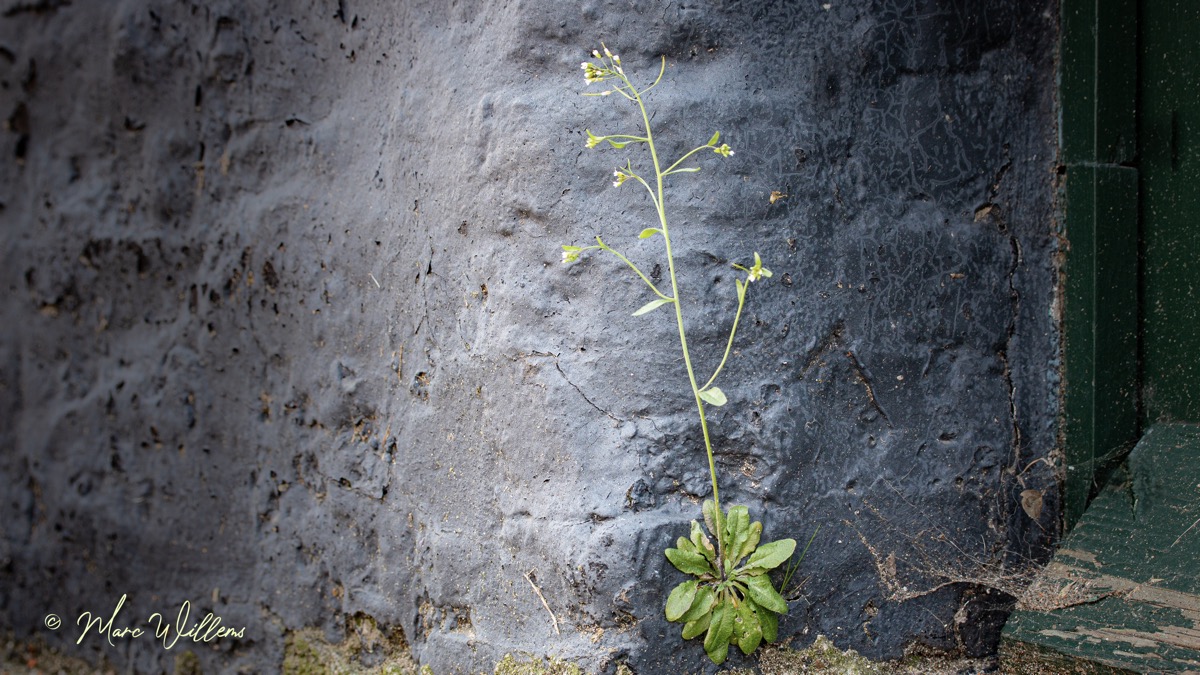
[[286, 334]]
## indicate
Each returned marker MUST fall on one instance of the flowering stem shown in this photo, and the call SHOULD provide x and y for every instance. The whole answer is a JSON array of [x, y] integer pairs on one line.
[[687, 359], [728, 345], [633, 267], [680, 160]]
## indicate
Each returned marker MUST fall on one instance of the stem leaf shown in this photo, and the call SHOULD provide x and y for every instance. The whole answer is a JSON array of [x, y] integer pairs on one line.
[[651, 306], [713, 395], [715, 137], [649, 232]]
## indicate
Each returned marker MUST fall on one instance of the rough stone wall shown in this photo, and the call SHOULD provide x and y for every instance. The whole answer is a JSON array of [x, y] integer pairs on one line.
[[285, 332]]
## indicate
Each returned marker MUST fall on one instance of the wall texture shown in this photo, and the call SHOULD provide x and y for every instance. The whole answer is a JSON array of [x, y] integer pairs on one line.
[[285, 332]]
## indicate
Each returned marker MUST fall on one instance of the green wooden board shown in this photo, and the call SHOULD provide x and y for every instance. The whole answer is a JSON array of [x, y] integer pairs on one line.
[[1169, 161], [1123, 592], [1099, 197]]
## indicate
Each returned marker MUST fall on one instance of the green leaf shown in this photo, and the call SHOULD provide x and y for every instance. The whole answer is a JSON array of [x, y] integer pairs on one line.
[[751, 633], [713, 141], [710, 515], [772, 555], [719, 654], [701, 605], [769, 622], [749, 543], [690, 169], [764, 594], [567, 247], [651, 306], [703, 545], [649, 232], [741, 289], [716, 642], [615, 144], [695, 628], [688, 563], [737, 526], [680, 600], [714, 396]]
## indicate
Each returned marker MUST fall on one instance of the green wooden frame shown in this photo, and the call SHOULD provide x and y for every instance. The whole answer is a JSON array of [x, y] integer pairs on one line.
[[1099, 234]]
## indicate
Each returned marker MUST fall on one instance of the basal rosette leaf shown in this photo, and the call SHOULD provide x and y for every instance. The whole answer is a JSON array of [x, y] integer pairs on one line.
[[696, 628], [680, 600], [751, 633], [709, 509], [689, 563], [770, 624], [772, 555], [752, 540], [686, 545], [720, 629], [703, 545], [737, 526], [702, 604], [764, 594]]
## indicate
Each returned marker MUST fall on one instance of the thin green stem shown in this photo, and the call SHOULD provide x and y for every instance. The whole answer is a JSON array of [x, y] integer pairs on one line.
[[627, 261], [680, 160], [728, 345], [649, 189], [687, 359]]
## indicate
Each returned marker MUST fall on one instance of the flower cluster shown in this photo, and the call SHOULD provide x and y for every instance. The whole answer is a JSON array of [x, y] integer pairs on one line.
[[724, 150], [571, 254], [621, 177], [610, 65], [756, 271]]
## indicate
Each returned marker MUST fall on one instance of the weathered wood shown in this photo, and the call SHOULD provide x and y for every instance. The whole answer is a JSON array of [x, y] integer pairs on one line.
[[1123, 592]]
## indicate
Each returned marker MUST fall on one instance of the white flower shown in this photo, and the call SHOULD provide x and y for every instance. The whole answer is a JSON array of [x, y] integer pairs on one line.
[[621, 177], [757, 271]]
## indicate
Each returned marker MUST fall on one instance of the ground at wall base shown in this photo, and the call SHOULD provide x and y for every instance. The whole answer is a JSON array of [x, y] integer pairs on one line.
[[307, 653]]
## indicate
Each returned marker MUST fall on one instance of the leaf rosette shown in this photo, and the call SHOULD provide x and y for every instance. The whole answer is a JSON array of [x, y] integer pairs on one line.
[[731, 600]]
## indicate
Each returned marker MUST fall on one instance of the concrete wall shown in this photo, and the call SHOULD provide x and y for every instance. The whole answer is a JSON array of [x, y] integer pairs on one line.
[[285, 332]]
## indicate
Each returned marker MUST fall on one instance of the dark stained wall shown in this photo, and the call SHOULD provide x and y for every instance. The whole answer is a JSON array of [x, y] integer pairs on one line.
[[285, 332]]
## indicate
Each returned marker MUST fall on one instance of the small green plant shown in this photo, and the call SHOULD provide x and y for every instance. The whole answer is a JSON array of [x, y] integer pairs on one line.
[[729, 601]]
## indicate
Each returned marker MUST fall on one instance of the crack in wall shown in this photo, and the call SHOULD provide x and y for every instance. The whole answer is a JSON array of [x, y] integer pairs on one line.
[[589, 401], [861, 373]]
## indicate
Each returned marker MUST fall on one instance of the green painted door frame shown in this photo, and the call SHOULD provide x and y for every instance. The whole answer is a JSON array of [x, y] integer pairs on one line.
[[1129, 96], [1099, 235]]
